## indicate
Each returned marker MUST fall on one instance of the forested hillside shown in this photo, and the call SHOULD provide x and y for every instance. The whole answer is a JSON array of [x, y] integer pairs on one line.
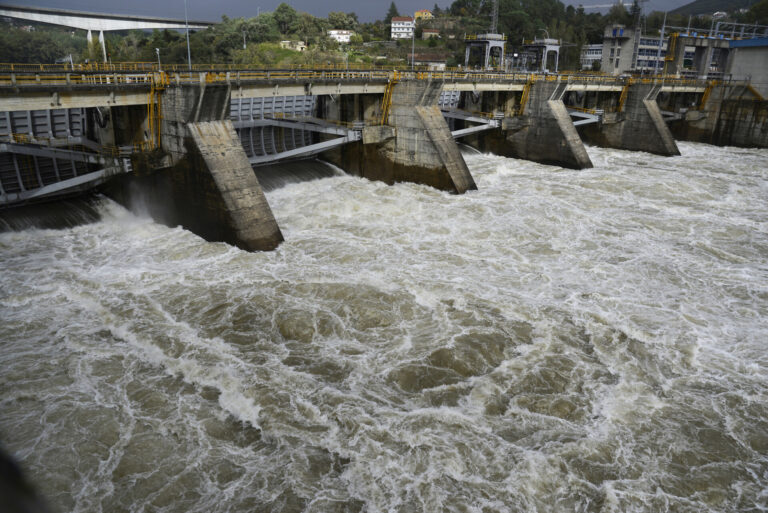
[[256, 41]]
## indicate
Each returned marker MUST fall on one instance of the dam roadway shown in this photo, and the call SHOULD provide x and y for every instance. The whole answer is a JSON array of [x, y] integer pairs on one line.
[[189, 140]]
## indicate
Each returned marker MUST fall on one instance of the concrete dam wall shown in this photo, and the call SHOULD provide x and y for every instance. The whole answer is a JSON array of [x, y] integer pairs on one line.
[[191, 148]]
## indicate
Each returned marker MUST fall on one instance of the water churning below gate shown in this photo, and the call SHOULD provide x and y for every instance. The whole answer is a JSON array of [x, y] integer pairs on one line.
[[556, 341]]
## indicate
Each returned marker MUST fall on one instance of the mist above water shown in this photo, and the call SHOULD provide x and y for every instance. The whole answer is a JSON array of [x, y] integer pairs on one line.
[[556, 341]]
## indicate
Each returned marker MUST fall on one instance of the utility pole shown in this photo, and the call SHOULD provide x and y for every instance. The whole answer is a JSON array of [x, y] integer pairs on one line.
[[495, 16], [157, 51], [189, 52], [413, 44], [637, 10], [661, 42]]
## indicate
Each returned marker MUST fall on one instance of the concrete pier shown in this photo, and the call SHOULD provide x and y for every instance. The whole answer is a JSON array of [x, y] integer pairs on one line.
[[640, 126], [202, 179], [544, 133], [415, 145]]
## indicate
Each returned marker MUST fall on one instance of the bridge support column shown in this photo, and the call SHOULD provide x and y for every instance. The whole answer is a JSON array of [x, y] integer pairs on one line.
[[420, 149], [103, 45], [207, 184], [639, 127], [545, 133]]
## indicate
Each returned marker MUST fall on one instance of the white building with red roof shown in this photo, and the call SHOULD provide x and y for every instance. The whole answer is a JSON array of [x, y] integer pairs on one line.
[[402, 27]]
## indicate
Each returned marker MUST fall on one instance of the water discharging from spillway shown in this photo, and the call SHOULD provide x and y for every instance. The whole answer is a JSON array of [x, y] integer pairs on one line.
[[556, 341]]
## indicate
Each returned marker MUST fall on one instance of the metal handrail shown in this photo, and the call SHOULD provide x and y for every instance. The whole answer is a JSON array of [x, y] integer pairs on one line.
[[32, 76]]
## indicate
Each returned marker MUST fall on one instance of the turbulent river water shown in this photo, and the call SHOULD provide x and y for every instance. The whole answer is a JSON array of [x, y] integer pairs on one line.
[[558, 340]]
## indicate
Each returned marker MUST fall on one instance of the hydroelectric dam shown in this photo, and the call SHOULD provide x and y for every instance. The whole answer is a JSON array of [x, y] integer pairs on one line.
[[186, 142]]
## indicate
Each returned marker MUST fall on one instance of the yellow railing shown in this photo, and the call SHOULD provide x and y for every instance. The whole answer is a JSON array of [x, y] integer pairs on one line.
[[155, 107], [624, 95], [670, 56], [524, 97], [27, 78], [476, 37], [705, 96], [582, 109], [755, 92], [386, 102]]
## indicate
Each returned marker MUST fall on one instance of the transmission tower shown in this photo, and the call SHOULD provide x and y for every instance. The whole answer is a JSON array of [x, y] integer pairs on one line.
[[495, 16], [638, 31]]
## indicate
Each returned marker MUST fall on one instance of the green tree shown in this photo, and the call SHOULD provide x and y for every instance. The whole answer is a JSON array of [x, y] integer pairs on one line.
[[285, 16], [618, 14], [392, 12], [635, 12], [94, 52], [310, 29], [42, 45], [341, 20], [263, 28], [758, 13]]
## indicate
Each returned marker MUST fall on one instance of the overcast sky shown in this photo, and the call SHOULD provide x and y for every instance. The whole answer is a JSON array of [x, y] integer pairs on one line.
[[367, 10]]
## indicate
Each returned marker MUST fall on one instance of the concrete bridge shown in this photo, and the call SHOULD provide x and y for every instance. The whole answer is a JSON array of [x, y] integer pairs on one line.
[[189, 140], [96, 22]]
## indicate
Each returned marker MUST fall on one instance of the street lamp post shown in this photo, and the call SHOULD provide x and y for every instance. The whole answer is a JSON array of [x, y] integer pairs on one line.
[[186, 22], [413, 45]]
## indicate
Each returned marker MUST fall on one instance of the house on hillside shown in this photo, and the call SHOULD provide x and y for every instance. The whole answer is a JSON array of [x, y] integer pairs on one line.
[[342, 36], [298, 46], [433, 62], [402, 27], [423, 14]]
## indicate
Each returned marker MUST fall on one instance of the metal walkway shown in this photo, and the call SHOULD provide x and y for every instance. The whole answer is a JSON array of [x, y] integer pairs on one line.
[[32, 171], [484, 121], [585, 116]]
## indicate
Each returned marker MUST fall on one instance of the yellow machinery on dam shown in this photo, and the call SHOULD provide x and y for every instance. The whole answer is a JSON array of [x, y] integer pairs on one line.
[[68, 129]]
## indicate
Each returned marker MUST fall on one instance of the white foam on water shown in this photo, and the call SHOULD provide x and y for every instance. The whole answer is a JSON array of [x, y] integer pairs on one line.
[[557, 340]]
